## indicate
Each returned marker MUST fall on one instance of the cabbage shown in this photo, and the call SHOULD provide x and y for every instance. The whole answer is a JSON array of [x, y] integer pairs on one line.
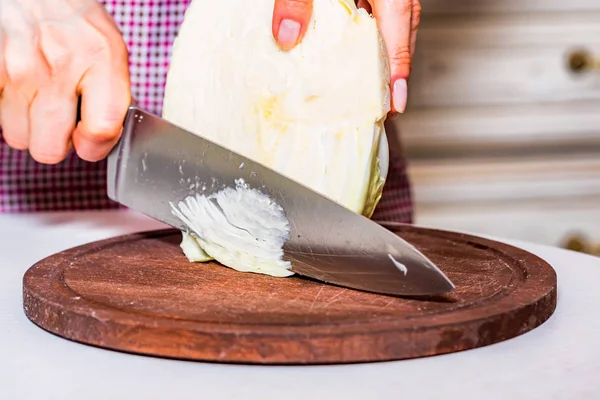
[[315, 113]]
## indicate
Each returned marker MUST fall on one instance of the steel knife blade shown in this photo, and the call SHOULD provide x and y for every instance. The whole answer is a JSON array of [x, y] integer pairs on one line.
[[156, 163]]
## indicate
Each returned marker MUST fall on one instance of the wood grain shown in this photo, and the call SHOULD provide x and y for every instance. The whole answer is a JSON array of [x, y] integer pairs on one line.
[[139, 294]]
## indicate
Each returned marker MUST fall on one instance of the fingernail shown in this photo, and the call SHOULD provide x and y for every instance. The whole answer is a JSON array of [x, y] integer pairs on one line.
[[288, 33], [399, 95]]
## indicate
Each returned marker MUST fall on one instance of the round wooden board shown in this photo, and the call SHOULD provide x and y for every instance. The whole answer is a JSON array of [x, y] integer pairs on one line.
[[139, 294]]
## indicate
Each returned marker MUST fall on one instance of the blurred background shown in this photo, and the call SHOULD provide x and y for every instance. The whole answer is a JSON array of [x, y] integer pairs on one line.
[[502, 129]]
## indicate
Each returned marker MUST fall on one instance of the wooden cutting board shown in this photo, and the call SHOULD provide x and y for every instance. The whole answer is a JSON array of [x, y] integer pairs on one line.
[[139, 294]]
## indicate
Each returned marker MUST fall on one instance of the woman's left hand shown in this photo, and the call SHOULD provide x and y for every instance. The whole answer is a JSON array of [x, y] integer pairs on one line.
[[398, 21]]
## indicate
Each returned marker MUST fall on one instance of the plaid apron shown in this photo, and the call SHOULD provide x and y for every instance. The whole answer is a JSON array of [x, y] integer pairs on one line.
[[149, 28]]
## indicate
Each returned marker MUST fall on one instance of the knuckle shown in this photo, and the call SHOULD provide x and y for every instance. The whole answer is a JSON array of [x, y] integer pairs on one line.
[[89, 157], [23, 63], [14, 131], [97, 46], [19, 67], [48, 157], [15, 141], [89, 153], [98, 50], [58, 62], [49, 141], [400, 56], [101, 135], [106, 50], [103, 131], [56, 52]]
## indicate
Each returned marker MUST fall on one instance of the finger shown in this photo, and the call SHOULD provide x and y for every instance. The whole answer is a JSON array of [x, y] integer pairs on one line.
[[414, 25], [290, 21], [14, 117], [394, 20], [52, 116], [52, 112], [104, 89], [105, 98], [21, 73]]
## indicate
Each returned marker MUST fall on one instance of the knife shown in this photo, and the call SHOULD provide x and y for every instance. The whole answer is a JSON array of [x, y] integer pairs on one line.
[[156, 163]]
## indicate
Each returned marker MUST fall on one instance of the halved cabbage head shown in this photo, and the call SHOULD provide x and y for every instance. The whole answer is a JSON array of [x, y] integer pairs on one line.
[[315, 113]]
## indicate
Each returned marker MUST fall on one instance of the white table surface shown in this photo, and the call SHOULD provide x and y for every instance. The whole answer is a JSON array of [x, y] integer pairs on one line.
[[559, 360]]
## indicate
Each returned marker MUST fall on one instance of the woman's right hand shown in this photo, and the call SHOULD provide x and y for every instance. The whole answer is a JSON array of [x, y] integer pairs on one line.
[[54, 51]]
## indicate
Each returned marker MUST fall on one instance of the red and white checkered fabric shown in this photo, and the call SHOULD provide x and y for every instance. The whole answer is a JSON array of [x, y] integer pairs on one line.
[[149, 28]]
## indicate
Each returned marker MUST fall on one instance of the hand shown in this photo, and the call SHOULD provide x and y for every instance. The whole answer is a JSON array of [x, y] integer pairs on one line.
[[398, 21], [52, 52]]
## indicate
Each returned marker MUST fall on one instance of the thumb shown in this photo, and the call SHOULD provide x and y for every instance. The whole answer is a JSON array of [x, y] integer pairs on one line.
[[290, 20]]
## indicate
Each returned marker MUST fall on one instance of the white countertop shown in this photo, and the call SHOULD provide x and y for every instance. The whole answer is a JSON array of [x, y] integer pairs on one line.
[[558, 360]]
